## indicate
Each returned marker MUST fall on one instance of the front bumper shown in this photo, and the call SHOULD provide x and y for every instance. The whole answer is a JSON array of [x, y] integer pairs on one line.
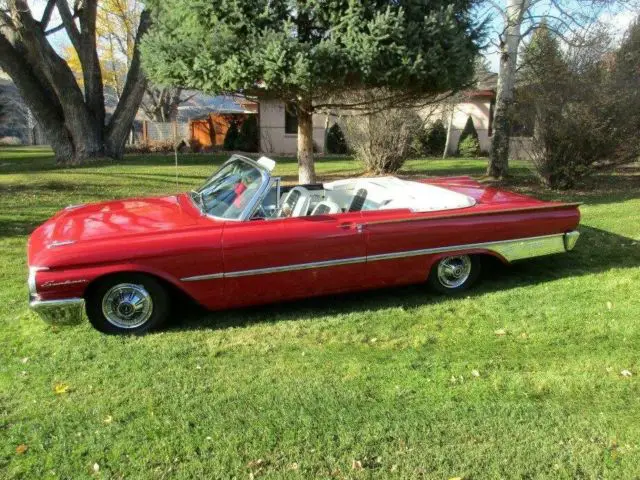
[[59, 312]]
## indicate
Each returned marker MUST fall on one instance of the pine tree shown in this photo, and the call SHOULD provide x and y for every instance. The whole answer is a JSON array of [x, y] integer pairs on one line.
[[313, 52]]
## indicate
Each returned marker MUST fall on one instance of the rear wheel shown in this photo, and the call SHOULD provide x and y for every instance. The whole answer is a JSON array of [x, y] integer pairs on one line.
[[455, 273], [128, 304]]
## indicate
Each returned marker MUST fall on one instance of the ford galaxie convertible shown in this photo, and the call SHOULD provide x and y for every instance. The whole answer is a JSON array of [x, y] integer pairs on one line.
[[243, 238]]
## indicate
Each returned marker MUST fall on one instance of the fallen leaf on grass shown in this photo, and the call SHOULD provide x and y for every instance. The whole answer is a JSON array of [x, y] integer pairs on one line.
[[61, 388], [21, 449], [96, 467], [626, 373], [356, 465], [609, 305], [107, 420], [25, 360], [256, 463], [475, 373], [500, 332]]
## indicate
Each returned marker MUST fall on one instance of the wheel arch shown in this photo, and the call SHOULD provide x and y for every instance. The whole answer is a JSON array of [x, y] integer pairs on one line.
[[173, 287], [482, 253]]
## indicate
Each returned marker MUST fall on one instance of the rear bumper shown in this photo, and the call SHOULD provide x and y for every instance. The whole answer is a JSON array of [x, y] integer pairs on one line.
[[570, 240], [59, 312], [512, 250]]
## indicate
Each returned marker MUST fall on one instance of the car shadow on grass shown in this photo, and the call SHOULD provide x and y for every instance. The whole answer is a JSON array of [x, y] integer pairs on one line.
[[597, 251]]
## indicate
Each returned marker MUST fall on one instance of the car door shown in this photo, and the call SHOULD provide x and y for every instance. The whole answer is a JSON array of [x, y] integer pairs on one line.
[[393, 238], [271, 260]]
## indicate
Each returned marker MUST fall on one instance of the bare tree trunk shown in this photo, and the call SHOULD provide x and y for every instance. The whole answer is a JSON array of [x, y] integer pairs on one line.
[[72, 121], [306, 168], [499, 159], [132, 93]]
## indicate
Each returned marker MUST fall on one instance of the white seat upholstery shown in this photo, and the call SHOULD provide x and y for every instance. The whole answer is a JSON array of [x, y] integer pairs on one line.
[[326, 207], [295, 203]]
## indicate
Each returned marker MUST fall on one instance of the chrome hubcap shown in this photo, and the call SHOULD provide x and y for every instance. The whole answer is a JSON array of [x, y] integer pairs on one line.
[[454, 271], [127, 305]]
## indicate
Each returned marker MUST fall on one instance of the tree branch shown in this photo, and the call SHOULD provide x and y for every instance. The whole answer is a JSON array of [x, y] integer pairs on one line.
[[68, 20], [132, 93], [46, 15]]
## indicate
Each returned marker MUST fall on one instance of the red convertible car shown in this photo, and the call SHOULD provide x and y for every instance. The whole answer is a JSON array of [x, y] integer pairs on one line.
[[243, 238]]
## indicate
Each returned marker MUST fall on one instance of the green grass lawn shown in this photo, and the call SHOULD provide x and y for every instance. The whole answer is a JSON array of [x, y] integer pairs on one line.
[[397, 383]]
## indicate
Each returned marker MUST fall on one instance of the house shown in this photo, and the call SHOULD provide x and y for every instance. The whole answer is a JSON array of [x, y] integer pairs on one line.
[[478, 104], [201, 117], [279, 126]]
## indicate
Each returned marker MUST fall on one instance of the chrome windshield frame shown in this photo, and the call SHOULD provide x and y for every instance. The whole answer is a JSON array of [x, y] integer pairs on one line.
[[255, 200]]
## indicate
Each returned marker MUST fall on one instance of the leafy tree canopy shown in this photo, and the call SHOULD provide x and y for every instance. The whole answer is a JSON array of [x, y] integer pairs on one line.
[[312, 48]]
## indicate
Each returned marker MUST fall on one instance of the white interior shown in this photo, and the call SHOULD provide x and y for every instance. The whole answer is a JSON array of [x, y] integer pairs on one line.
[[381, 193]]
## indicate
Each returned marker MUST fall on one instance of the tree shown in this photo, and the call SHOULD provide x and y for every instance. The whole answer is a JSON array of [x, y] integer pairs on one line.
[[584, 104], [116, 24], [469, 144], [248, 139], [569, 20], [382, 140], [313, 54], [336, 142], [72, 116], [231, 136]]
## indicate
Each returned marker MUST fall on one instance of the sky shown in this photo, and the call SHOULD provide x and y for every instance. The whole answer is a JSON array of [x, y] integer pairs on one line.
[[616, 18]]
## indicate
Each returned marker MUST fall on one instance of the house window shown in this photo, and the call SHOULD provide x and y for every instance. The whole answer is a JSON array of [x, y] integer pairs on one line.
[[290, 119]]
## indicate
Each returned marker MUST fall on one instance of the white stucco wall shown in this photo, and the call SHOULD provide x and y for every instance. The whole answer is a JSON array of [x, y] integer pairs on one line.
[[274, 140], [476, 108]]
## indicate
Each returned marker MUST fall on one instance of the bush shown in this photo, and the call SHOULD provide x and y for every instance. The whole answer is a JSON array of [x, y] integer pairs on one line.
[[336, 142], [469, 147], [469, 144], [194, 145], [248, 138], [436, 138], [431, 140], [232, 136], [165, 146], [382, 140], [586, 110], [10, 141]]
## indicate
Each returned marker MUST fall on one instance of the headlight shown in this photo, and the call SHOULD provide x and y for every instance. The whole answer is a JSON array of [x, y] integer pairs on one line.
[[31, 281]]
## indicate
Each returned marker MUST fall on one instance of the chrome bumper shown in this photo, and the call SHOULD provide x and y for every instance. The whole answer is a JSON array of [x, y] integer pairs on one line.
[[570, 240], [59, 312]]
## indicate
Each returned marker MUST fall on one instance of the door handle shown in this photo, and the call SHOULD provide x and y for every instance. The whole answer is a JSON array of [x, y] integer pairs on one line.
[[358, 227]]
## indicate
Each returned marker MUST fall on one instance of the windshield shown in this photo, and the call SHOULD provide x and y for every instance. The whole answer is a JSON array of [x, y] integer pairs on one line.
[[228, 193]]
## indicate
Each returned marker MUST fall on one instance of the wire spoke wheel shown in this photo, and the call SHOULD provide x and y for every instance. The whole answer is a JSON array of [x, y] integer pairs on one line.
[[127, 305]]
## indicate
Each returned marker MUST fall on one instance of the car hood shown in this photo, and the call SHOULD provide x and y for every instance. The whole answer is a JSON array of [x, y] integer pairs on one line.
[[118, 218]]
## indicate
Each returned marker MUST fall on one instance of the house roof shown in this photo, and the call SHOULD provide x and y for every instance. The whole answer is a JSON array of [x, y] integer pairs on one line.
[[202, 105]]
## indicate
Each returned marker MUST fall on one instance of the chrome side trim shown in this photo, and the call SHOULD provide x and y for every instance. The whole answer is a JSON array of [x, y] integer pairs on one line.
[[197, 278], [299, 266], [59, 312], [510, 250]]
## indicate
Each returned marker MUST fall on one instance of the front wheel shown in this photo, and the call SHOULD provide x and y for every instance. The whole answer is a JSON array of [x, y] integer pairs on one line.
[[127, 304], [455, 274]]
